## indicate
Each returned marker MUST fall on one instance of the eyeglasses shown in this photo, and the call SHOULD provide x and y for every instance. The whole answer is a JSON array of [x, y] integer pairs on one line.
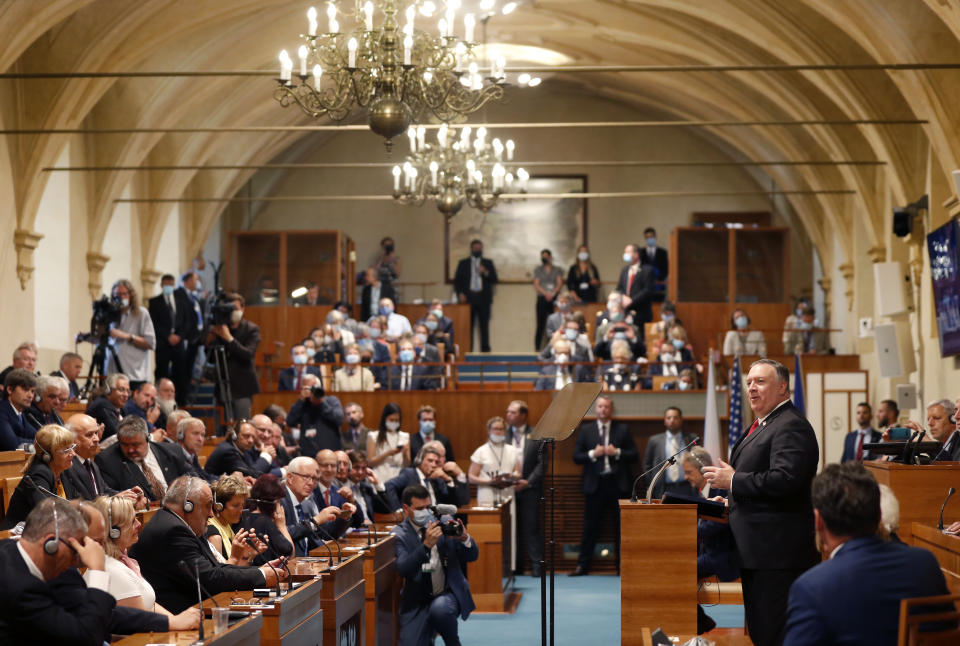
[[304, 476], [69, 449]]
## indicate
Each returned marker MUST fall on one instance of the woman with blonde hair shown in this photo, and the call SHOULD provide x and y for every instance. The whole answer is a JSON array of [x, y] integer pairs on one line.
[[53, 454], [494, 465], [127, 585], [229, 543]]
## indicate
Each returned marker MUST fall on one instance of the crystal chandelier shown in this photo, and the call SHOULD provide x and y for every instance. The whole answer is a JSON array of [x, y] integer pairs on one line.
[[457, 170], [398, 75]]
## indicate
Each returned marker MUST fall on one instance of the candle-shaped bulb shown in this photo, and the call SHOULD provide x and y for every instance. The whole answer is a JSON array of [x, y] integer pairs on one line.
[[317, 73], [434, 167], [421, 136], [302, 52], [481, 133], [312, 18], [442, 27], [368, 15], [396, 178], [352, 53], [459, 52], [286, 65], [522, 175], [412, 134], [469, 22], [411, 15], [510, 147], [408, 49]]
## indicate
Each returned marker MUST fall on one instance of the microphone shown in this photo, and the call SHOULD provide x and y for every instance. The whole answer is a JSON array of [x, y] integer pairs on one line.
[[196, 574], [335, 542], [250, 542], [32, 419], [31, 482], [662, 466], [445, 510], [950, 492], [910, 450], [183, 565], [309, 526]]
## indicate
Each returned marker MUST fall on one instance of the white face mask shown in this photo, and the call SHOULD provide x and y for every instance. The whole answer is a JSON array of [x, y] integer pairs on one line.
[[666, 357], [392, 426], [497, 439], [422, 517], [236, 316], [628, 257], [683, 385], [563, 358], [583, 256]]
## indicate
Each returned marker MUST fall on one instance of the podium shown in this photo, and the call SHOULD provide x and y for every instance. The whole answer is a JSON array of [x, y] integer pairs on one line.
[[342, 600], [245, 632], [658, 569], [945, 547], [490, 528], [920, 489], [291, 620], [382, 585]]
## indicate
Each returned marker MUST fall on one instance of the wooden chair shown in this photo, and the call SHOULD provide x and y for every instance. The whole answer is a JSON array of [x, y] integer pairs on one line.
[[9, 485], [11, 463], [910, 621]]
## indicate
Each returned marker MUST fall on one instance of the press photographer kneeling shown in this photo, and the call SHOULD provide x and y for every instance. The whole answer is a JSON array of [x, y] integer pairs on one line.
[[429, 557]]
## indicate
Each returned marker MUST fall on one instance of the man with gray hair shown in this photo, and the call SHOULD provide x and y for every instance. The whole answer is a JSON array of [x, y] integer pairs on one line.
[[191, 433], [445, 482], [51, 395], [53, 540], [25, 356], [71, 364], [306, 521], [135, 461], [106, 408], [171, 549], [943, 428]]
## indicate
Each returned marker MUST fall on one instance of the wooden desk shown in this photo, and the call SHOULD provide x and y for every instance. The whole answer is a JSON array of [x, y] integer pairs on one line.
[[719, 638], [920, 489], [11, 463], [382, 586], [243, 633], [491, 581], [945, 547], [293, 620], [343, 600], [658, 569]]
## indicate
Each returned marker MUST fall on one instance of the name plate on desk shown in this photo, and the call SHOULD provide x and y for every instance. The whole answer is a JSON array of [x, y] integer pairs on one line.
[[705, 507]]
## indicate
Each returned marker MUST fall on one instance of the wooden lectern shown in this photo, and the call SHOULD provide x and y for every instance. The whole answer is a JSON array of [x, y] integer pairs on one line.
[[490, 528], [920, 489], [343, 600], [658, 569]]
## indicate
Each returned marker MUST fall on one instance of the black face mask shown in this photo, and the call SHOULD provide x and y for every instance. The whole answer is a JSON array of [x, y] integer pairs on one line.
[[545, 260], [388, 248], [476, 254]]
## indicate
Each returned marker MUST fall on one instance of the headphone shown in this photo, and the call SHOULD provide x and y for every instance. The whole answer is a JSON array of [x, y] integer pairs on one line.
[[187, 503], [114, 532], [45, 455], [52, 545]]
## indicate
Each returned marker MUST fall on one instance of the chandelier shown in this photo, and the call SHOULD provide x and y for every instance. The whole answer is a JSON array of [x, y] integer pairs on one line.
[[397, 75], [457, 170]]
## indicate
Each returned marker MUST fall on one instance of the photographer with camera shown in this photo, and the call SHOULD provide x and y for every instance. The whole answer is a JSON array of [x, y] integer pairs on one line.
[[317, 417], [430, 557], [235, 340], [131, 337]]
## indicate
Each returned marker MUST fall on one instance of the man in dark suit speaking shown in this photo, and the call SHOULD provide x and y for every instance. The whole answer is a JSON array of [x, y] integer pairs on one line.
[[768, 480], [474, 281], [854, 596]]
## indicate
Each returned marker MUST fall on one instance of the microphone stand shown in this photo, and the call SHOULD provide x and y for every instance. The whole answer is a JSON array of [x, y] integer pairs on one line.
[[196, 575], [910, 450], [335, 542], [662, 466], [276, 574], [309, 526], [944, 506]]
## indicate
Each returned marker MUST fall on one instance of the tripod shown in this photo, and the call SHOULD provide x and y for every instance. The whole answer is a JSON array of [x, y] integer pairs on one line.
[[224, 394], [98, 364]]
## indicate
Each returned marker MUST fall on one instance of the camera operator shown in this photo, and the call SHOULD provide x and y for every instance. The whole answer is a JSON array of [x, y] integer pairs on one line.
[[133, 337], [239, 338], [435, 590], [319, 418]]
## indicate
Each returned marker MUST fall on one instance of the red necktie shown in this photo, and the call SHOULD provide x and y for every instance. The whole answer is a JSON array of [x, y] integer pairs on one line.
[[326, 497], [753, 427], [630, 280], [859, 447]]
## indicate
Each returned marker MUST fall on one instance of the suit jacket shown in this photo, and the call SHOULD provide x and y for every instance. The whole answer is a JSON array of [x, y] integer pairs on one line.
[[798, 342], [461, 279], [183, 322], [28, 494], [70, 590], [416, 443], [422, 378], [587, 438], [641, 292], [121, 473], [770, 510], [951, 449], [103, 410], [659, 262], [240, 356], [850, 444], [375, 502], [14, 430], [417, 592], [165, 541], [368, 309], [31, 612], [716, 550], [131, 408], [34, 413], [656, 453], [76, 481], [532, 469], [854, 598], [288, 377], [458, 495], [336, 500], [346, 439], [300, 532], [74, 387], [227, 458]]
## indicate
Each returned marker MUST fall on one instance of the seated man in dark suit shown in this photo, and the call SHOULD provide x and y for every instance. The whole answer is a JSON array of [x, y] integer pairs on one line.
[[854, 596], [15, 430], [135, 461], [233, 454], [329, 493], [191, 433], [291, 378], [369, 494], [30, 613], [408, 373], [143, 404], [307, 523], [50, 390], [106, 408], [446, 483], [173, 536], [427, 419], [84, 479], [440, 327], [71, 364], [435, 591]]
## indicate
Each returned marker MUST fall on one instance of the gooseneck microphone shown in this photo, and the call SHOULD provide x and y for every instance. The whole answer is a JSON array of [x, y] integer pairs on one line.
[[309, 526], [276, 574], [662, 466], [335, 542], [950, 492], [196, 574]]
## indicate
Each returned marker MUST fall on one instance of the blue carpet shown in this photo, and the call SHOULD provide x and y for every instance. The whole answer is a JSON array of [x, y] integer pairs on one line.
[[587, 610]]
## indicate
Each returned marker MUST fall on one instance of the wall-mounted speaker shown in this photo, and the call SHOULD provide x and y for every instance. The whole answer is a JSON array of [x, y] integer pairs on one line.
[[902, 222], [891, 287], [894, 349], [907, 396]]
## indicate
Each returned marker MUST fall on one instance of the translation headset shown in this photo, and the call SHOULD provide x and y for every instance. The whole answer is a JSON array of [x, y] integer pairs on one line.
[[45, 455], [52, 545], [188, 505], [114, 529]]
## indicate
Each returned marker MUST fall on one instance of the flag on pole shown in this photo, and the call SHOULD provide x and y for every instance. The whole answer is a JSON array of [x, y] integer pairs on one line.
[[736, 410], [798, 385], [711, 418]]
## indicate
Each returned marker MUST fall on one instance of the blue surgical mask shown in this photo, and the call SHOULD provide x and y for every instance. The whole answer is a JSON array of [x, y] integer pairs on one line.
[[571, 334], [365, 343], [741, 322], [431, 325], [422, 517], [406, 356], [678, 343], [497, 439], [420, 337], [437, 312], [620, 335], [651, 242], [427, 426], [803, 325], [583, 256], [311, 353], [617, 316], [299, 359], [628, 257], [667, 318], [374, 333], [167, 289], [386, 310], [352, 358]]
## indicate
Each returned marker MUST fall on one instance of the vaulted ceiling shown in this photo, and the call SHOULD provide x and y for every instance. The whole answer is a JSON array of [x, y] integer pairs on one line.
[[91, 36]]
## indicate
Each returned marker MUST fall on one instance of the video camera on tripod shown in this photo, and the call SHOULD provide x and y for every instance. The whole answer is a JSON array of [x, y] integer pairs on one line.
[[221, 309], [106, 312], [221, 313]]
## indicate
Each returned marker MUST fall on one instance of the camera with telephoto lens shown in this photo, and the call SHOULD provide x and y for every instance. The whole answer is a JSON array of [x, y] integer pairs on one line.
[[449, 525], [317, 391], [221, 310], [106, 312]]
